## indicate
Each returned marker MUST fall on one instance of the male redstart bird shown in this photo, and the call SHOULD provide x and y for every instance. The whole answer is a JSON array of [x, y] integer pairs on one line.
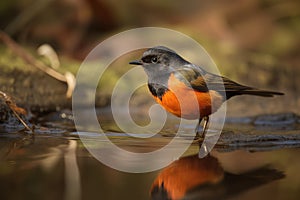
[[187, 90]]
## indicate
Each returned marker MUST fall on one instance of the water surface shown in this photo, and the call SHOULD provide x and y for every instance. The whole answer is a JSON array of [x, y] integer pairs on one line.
[[254, 159]]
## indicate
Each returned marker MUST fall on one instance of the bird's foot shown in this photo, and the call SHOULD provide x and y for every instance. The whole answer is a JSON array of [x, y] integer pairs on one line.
[[198, 139]]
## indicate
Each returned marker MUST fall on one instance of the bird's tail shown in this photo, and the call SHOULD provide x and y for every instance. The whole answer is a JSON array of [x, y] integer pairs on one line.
[[257, 92]]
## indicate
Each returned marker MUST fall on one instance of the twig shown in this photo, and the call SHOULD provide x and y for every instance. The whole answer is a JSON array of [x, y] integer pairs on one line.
[[48, 52], [29, 58], [71, 80], [15, 109], [17, 49]]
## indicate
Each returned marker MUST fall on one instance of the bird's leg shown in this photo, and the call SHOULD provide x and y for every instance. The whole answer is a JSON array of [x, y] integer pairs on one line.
[[200, 138], [201, 135], [206, 120], [197, 129]]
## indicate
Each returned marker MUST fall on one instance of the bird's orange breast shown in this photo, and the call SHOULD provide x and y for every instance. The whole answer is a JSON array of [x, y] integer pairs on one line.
[[188, 103]]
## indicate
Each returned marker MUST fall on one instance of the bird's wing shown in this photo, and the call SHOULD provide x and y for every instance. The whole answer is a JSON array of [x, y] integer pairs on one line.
[[192, 78], [222, 84], [202, 81]]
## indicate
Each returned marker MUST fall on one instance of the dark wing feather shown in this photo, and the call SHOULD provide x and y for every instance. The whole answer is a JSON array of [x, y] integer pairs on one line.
[[232, 88], [203, 81]]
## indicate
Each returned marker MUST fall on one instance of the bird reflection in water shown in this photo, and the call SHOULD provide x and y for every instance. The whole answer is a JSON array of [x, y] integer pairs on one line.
[[194, 178]]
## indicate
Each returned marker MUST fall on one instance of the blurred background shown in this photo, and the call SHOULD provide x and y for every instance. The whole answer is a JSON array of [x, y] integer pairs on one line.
[[255, 42]]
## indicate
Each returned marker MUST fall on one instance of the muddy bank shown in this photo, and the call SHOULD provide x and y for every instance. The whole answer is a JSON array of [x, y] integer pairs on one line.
[[36, 91], [33, 89]]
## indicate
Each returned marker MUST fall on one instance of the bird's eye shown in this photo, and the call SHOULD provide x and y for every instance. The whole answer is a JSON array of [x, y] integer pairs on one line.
[[154, 60]]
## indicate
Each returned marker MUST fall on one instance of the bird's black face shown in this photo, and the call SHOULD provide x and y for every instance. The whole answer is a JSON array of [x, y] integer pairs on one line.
[[159, 60]]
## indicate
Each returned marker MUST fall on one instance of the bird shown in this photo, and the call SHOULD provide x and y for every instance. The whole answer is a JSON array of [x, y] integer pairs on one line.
[[192, 178], [187, 90]]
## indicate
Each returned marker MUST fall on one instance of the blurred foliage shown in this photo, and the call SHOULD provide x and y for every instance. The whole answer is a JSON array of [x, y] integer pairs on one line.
[[72, 26], [242, 36]]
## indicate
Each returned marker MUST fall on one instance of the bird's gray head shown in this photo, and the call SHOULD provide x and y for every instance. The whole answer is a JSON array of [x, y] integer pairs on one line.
[[160, 60]]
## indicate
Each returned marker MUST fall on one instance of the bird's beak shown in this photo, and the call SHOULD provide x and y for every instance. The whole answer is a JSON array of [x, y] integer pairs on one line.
[[136, 62]]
